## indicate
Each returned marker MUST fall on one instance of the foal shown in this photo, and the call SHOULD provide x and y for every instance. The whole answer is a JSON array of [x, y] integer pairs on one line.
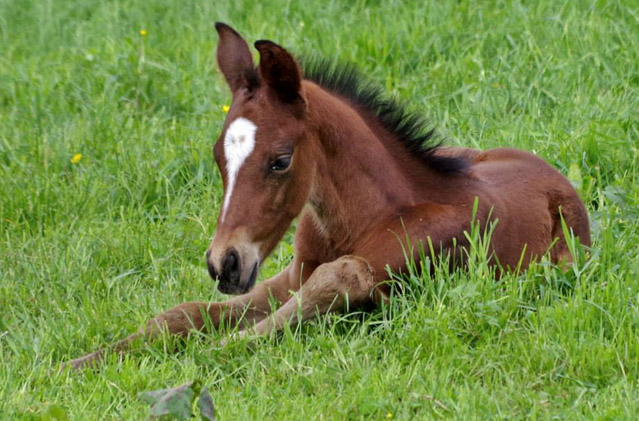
[[358, 172]]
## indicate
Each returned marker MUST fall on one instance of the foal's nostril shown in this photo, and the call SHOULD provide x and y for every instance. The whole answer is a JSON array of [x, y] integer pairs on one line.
[[232, 260], [231, 267]]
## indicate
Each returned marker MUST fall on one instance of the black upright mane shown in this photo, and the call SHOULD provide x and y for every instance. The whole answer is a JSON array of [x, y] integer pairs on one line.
[[414, 132]]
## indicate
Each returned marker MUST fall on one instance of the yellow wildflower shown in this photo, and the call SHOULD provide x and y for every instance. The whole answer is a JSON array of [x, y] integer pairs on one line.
[[76, 158], [389, 415], [225, 108], [143, 32]]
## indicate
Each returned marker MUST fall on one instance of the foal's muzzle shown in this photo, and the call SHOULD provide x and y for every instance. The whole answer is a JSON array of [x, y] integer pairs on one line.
[[236, 271]]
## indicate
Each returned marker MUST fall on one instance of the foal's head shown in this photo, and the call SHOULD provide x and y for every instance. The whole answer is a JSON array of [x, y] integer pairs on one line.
[[264, 154]]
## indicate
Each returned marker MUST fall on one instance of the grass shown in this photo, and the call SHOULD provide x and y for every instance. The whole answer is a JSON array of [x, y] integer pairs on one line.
[[89, 251]]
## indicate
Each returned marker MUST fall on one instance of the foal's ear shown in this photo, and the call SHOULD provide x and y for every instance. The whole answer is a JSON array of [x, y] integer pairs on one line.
[[234, 58], [280, 71]]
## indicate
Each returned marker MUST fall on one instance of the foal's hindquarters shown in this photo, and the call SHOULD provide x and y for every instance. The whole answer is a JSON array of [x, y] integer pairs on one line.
[[528, 198], [520, 194]]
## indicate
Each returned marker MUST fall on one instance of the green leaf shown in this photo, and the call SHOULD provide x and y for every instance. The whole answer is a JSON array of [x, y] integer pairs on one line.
[[207, 410], [175, 402]]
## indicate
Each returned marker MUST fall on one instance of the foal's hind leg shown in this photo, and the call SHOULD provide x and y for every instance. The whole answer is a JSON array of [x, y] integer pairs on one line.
[[180, 320], [347, 281]]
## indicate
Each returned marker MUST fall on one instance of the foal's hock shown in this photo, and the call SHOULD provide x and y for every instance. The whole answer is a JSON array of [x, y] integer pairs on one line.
[[360, 173]]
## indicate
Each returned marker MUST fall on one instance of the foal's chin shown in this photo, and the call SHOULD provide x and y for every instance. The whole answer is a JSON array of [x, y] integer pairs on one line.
[[240, 287]]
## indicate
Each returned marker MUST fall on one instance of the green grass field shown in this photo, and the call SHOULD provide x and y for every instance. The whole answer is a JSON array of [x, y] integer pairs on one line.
[[90, 250]]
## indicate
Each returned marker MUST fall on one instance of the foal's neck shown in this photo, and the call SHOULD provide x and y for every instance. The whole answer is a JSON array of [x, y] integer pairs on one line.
[[361, 177]]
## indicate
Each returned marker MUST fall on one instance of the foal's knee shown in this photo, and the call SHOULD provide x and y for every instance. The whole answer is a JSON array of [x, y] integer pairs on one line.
[[348, 275]]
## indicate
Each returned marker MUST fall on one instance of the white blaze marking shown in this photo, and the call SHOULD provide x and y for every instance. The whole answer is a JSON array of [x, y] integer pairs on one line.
[[239, 142]]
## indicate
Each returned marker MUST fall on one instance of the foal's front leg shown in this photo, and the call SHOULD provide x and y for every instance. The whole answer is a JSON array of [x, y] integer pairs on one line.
[[347, 281], [180, 320]]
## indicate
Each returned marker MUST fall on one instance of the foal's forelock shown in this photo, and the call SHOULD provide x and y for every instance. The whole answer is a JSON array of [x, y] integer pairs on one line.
[[239, 143]]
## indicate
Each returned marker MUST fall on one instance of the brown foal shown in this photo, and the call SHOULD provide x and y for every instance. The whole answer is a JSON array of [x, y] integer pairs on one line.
[[359, 172]]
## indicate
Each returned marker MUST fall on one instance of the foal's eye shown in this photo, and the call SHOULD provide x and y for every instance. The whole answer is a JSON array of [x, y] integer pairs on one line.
[[281, 163]]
